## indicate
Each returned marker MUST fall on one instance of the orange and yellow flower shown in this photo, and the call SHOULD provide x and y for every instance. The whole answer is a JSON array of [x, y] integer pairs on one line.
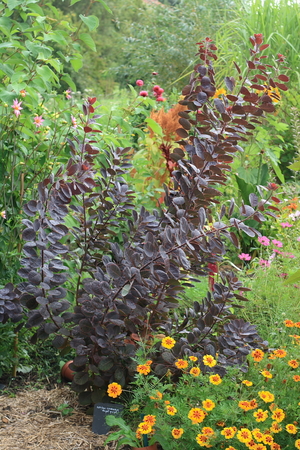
[[291, 428], [257, 355], [228, 432], [144, 428], [193, 358], [280, 353], [268, 439], [158, 396], [208, 404], [293, 363], [196, 415], [150, 418], [297, 443], [275, 427], [244, 435], [195, 371], [114, 390], [278, 415], [266, 396], [168, 342], [181, 364], [202, 440], [247, 382], [177, 433], [209, 360], [257, 434], [215, 379], [143, 369], [260, 415], [266, 374], [289, 323], [208, 431], [171, 410], [296, 378]]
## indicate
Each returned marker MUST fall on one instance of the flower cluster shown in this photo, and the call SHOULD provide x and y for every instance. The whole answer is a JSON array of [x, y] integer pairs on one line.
[[157, 91]]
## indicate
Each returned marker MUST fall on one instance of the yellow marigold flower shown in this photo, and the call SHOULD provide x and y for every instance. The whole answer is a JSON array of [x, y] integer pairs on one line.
[[228, 432], [247, 382], [260, 415], [209, 361], [291, 428], [221, 423], [251, 444], [293, 363], [297, 443], [215, 379], [150, 418], [230, 448], [275, 427], [196, 415], [143, 369], [208, 404], [280, 353], [177, 433], [297, 324], [278, 415], [193, 358], [114, 390], [138, 434], [181, 364], [257, 355], [195, 371], [253, 403], [134, 408], [158, 396], [171, 410], [244, 435], [219, 92], [296, 378], [168, 342], [144, 428], [202, 440], [266, 396], [275, 446], [208, 431], [245, 405], [260, 447], [289, 323], [266, 374], [268, 439], [257, 434]]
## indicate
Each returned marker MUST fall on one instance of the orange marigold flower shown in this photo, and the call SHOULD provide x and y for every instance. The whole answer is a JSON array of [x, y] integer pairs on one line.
[[275, 446], [230, 448], [289, 323], [257, 355], [208, 404], [177, 433], [195, 371], [143, 369], [297, 443], [167, 402], [278, 415], [245, 405], [208, 431], [181, 364], [260, 447], [257, 434], [168, 342], [228, 432], [280, 353], [266, 374], [209, 361], [260, 415], [297, 324], [202, 440], [221, 423], [149, 362], [247, 382], [196, 415], [266, 396], [150, 418], [215, 379], [251, 444], [275, 427], [171, 410], [114, 390], [193, 358], [253, 403], [244, 435], [291, 428], [144, 428], [293, 363], [268, 439], [296, 378]]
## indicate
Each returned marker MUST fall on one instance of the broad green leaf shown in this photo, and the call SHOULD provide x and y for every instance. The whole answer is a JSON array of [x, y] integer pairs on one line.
[[76, 63], [6, 45], [73, 2], [295, 166], [277, 170], [67, 79], [88, 40], [293, 278], [155, 127], [56, 36], [245, 189], [5, 68], [105, 5], [11, 4], [46, 73], [7, 97], [44, 52], [92, 22], [56, 64], [37, 9]]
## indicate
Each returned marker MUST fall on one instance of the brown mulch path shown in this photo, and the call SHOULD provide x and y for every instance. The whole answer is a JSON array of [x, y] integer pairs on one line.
[[31, 421]]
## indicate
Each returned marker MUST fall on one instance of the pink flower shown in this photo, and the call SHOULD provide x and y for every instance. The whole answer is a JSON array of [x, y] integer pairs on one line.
[[154, 73], [143, 94], [74, 123], [264, 240], [38, 121], [17, 107], [277, 243], [275, 250], [298, 239], [68, 92], [283, 275], [264, 263], [245, 256], [160, 99], [139, 83], [286, 225], [3, 214]]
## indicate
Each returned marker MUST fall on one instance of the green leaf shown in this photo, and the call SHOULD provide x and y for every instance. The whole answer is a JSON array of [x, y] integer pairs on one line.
[[46, 73], [293, 278], [76, 63], [92, 22], [88, 40], [155, 127], [7, 97], [73, 2], [277, 170], [56, 64], [105, 5], [295, 166], [6, 69], [69, 81], [11, 4]]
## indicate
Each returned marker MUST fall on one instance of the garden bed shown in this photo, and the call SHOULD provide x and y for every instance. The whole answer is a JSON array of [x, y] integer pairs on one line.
[[31, 420]]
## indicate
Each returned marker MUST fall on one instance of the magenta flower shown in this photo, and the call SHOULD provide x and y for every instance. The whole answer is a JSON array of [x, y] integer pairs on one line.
[[38, 121], [286, 225], [17, 107], [74, 123], [245, 256], [264, 240], [68, 92], [139, 83], [160, 99], [277, 243], [3, 214], [264, 263], [143, 94]]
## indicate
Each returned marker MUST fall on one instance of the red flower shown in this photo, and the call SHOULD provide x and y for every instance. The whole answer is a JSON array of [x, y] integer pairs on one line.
[[139, 83], [143, 94]]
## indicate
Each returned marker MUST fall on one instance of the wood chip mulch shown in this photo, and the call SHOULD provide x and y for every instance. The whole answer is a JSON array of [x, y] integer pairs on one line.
[[31, 421]]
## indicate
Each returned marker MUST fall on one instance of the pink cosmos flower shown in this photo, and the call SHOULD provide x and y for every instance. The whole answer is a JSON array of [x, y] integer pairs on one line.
[[143, 94], [17, 107], [264, 263], [38, 121], [74, 123], [139, 83], [286, 225], [68, 92], [3, 214], [245, 256], [264, 240], [277, 243]]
